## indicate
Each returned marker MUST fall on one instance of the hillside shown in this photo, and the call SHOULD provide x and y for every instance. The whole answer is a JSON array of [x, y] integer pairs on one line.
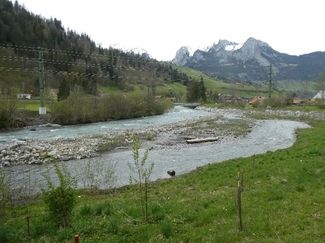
[[70, 59], [250, 62]]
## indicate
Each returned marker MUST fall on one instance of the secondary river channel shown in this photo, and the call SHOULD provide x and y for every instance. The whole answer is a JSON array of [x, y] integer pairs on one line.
[[265, 135]]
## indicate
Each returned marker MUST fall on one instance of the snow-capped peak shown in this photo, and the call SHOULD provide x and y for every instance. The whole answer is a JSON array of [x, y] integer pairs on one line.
[[226, 45], [233, 46]]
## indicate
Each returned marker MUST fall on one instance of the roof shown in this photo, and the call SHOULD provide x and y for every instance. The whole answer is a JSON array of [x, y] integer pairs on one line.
[[319, 95]]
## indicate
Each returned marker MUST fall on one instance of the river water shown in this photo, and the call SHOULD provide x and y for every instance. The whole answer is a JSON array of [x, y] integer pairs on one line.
[[266, 135], [43, 132]]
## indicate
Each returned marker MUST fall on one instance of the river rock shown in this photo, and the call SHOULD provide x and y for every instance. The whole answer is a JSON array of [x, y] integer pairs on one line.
[[53, 153], [6, 163]]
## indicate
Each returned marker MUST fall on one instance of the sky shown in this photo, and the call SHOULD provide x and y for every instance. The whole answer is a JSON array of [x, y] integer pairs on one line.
[[161, 27]]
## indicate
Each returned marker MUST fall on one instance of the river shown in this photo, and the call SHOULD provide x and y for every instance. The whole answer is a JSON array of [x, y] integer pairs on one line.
[[266, 135], [73, 131]]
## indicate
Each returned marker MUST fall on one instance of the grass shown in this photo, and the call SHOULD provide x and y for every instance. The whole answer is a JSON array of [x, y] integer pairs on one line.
[[220, 86], [283, 201], [305, 108], [29, 105]]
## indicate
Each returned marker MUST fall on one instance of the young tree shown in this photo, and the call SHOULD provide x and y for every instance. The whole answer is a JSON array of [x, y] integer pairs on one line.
[[61, 199], [202, 90], [320, 86], [141, 172]]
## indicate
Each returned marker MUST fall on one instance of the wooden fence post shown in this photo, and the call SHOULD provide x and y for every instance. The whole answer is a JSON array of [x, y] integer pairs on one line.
[[77, 238], [240, 183]]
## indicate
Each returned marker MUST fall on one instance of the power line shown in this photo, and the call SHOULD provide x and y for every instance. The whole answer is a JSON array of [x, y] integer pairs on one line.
[[67, 52], [67, 73]]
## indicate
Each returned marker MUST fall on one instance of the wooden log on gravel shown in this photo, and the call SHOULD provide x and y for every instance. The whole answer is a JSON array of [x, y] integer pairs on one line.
[[202, 140]]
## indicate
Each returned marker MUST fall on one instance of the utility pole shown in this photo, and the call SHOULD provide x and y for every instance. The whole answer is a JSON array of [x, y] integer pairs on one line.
[[42, 108], [270, 81]]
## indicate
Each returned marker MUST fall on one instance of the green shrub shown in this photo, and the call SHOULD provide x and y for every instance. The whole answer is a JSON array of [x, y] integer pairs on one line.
[[78, 108], [4, 235], [60, 200], [7, 113]]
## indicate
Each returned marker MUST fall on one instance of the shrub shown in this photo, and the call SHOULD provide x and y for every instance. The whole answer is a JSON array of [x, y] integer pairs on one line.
[[7, 113], [60, 200], [78, 108], [4, 235], [140, 174]]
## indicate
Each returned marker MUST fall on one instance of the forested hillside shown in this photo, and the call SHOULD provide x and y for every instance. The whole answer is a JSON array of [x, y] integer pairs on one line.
[[70, 60]]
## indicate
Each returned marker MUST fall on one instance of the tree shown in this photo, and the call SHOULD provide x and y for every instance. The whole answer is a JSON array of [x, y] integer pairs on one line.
[[64, 89], [196, 91], [140, 174], [202, 90], [320, 86]]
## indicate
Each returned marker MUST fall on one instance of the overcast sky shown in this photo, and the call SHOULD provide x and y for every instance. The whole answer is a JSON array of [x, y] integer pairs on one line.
[[161, 27]]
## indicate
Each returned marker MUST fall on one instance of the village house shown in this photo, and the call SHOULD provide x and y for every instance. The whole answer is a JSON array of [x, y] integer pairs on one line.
[[24, 96]]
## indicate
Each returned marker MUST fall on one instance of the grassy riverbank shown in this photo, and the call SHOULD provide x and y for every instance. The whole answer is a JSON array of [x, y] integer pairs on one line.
[[283, 201]]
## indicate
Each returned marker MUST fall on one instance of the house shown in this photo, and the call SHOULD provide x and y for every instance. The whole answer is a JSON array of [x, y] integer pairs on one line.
[[298, 101], [319, 95], [257, 100], [24, 96]]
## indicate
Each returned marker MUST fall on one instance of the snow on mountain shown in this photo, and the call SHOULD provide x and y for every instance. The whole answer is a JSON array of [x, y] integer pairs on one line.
[[233, 47], [250, 61]]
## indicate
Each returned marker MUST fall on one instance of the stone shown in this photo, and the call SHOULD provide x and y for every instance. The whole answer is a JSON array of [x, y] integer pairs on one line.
[[6, 163]]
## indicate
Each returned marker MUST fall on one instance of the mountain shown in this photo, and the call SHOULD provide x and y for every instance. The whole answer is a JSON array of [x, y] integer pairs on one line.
[[250, 62]]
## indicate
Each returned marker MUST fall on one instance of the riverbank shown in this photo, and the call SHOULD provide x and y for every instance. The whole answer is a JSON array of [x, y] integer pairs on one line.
[[283, 201], [44, 151], [42, 144], [223, 124]]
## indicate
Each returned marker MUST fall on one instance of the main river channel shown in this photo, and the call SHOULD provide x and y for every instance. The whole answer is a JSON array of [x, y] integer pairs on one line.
[[266, 135]]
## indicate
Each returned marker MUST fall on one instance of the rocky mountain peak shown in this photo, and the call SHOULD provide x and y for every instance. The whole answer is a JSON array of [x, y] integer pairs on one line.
[[182, 56], [250, 61], [225, 45], [252, 43]]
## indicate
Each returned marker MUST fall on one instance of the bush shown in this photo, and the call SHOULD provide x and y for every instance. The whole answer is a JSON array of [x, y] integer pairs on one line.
[[4, 235], [7, 114], [78, 108], [60, 200]]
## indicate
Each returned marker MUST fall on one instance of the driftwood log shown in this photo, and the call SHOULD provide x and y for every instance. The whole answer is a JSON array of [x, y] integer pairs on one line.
[[202, 140]]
